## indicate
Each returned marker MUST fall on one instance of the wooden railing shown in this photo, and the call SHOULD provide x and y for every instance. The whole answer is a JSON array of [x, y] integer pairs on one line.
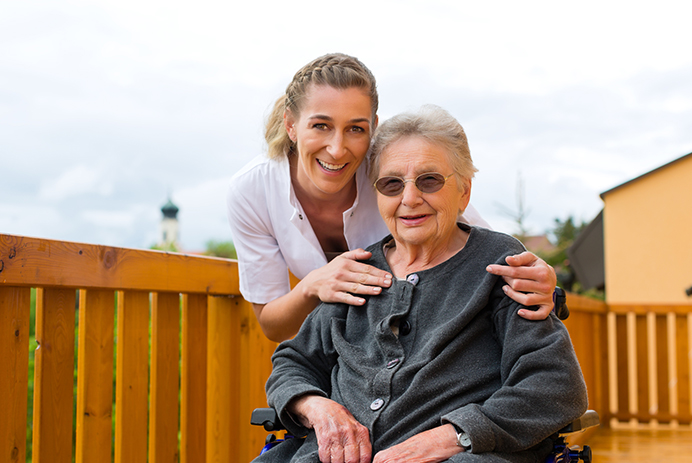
[[650, 364], [170, 360], [190, 360], [637, 362]]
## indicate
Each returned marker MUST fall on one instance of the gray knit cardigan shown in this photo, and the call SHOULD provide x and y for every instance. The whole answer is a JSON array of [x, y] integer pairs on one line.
[[462, 356]]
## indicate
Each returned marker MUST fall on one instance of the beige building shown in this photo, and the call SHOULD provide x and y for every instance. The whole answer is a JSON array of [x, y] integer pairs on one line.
[[647, 237]]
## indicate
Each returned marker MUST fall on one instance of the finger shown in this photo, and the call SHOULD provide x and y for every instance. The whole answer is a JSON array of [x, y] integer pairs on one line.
[[526, 258], [350, 299], [523, 273], [537, 302], [541, 314], [356, 254]]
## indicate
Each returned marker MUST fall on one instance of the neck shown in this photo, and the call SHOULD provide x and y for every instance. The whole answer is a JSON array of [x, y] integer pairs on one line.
[[406, 258]]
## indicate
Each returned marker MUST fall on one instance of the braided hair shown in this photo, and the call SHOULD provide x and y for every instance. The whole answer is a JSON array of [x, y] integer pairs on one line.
[[335, 70]]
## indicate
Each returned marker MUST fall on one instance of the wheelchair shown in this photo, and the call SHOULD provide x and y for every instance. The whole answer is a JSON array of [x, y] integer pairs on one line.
[[562, 452]]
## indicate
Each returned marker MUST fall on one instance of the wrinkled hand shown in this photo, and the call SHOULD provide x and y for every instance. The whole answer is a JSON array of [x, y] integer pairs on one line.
[[344, 276], [530, 282], [341, 439], [437, 444]]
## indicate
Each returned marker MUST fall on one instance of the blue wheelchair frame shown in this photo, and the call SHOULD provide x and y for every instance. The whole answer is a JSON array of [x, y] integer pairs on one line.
[[562, 452]]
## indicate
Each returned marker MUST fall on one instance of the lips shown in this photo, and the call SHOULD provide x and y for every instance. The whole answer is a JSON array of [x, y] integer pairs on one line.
[[331, 167], [413, 219]]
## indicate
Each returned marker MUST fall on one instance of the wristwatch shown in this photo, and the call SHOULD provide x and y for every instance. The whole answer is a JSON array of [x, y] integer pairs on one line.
[[463, 440]]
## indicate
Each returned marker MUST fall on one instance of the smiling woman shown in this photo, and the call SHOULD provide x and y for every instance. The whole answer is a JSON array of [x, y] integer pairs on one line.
[[309, 206]]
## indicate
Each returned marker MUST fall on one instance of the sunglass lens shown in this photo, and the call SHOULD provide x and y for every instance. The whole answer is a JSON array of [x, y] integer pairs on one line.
[[430, 183], [389, 186]]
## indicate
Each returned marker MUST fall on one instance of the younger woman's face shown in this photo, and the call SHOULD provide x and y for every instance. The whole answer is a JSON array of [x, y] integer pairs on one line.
[[332, 135]]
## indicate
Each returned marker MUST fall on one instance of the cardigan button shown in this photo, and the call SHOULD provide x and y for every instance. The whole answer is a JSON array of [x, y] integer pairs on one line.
[[404, 328], [376, 404], [392, 363], [413, 279]]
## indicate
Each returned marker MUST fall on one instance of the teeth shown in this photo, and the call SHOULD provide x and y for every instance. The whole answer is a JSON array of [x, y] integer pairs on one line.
[[332, 167]]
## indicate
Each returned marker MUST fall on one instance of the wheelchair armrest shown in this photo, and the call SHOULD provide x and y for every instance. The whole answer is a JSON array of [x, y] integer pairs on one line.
[[267, 418], [587, 420]]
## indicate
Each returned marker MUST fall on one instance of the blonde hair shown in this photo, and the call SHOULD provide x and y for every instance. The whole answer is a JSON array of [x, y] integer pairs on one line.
[[430, 123], [335, 70]]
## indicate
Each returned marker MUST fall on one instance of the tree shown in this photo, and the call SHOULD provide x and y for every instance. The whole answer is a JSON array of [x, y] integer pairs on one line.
[[564, 234], [224, 249], [519, 216]]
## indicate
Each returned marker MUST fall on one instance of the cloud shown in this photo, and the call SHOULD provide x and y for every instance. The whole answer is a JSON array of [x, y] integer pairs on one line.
[[108, 108], [75, 181]]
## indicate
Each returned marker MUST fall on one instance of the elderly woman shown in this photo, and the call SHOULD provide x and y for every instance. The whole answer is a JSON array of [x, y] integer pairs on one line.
[[438, 367]]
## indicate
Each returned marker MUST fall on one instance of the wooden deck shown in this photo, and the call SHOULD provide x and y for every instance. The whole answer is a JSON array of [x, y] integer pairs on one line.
[[641, 446]]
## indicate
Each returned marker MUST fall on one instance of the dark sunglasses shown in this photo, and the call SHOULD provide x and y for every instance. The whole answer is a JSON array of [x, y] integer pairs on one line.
[[430, 182]]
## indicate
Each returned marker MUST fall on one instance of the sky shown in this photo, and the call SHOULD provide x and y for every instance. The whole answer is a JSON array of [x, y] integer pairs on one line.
[[109, 108]]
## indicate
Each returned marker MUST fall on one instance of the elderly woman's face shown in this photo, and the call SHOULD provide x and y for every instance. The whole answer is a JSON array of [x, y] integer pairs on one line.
[[414, 217]]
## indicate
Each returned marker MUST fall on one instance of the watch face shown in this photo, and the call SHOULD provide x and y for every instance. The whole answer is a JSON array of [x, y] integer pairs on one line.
[[464, 440]]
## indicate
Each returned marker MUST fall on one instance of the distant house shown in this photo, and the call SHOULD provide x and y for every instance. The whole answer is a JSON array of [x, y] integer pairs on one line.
[[642, 241]]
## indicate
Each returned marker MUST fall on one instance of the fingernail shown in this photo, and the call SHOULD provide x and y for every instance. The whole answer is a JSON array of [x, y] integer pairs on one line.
[[505, 288]]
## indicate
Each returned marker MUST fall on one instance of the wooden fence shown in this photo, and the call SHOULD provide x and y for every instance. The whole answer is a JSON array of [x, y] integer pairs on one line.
[[170, 359], [190, 359]]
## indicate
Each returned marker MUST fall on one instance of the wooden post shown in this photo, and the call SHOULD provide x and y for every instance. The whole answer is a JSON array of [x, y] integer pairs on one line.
[[14, 372], [132, 377], [193, 387], [163, 412], [95, 376], [54, 375]]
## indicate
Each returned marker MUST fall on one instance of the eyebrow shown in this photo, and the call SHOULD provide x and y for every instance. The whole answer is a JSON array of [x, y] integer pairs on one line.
[[331, 119]]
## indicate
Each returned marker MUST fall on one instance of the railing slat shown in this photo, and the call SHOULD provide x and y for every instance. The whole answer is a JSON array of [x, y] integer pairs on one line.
[[54, 375], [163, 416], [223, 381], [255, 367], [95, 376], [193, 387], [14, 371], [132, 377]]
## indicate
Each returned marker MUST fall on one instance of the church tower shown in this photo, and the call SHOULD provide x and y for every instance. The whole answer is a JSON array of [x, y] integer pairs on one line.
[[169, 225]]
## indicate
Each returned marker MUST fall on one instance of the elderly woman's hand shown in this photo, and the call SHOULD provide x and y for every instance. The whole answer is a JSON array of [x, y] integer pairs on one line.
[[341, 439], [434, 445], [530, 282], [341, 279]]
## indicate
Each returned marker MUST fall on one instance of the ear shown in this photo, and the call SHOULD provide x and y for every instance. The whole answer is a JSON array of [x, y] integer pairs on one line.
[[289, 122], [377, 121], [466, 197]]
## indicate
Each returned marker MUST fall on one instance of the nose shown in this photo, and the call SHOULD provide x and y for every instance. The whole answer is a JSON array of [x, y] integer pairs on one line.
[[336, 147], [411, 195]]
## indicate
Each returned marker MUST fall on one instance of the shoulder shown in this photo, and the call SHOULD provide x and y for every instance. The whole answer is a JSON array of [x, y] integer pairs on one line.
[[257, 179], [494, 244], [261, 167]]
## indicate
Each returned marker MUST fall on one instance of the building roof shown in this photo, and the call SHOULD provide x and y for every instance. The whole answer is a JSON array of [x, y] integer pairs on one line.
[[664, 166], [170, 210]]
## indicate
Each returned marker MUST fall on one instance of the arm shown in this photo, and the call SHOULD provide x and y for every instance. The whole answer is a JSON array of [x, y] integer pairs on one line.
[[542, 386], [530, 282], [264, 259], [337, 281]]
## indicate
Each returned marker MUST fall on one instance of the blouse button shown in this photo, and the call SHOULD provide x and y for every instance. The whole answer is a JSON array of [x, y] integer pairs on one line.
[[300, 216], [376, 404]]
